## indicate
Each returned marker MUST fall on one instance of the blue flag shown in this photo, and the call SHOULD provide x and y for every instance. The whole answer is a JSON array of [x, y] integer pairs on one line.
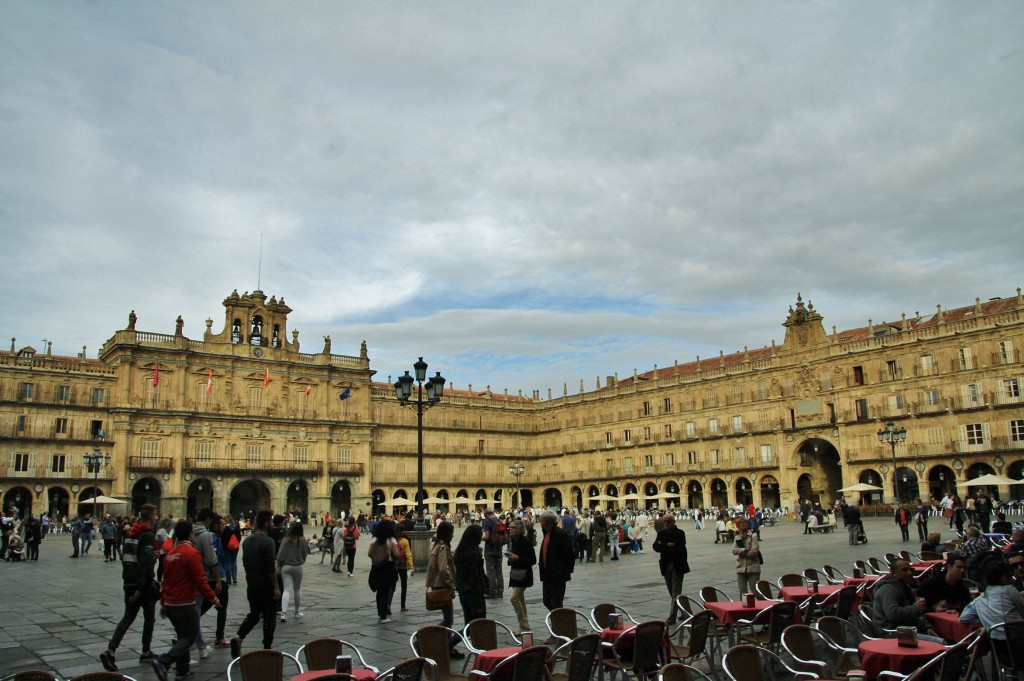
[[346, 393]]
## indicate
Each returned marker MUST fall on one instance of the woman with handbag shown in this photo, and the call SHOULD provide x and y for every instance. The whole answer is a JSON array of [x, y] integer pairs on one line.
[[520, 575], [470, 578], [384, 556], [441, 581]]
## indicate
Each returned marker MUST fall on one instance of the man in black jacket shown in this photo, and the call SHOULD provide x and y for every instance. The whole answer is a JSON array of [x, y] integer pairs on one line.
[[671, 544], [137, 561], [556, 560]]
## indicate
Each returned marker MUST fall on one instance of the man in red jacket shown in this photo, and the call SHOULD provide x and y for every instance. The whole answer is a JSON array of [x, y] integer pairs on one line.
[[184, 578]]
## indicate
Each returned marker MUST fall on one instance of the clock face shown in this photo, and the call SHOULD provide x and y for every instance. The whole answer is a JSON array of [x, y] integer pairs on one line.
[[257, 352]]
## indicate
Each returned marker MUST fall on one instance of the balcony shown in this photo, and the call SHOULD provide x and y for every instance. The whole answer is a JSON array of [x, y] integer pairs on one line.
[[151, 464], [45, 472], [346, 469], [257, 464]]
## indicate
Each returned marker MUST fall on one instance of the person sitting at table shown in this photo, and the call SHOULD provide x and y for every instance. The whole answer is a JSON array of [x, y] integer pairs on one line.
[[974, 543], [721, 534], [1001, 525], [1016, 543], [934, 543], [1000, 602], [946, 590], [1016, 561], [812, 522], [896, 605], [730, 528]]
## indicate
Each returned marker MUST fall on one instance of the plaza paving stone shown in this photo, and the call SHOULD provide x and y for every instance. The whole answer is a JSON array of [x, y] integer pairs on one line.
[[58, 613]]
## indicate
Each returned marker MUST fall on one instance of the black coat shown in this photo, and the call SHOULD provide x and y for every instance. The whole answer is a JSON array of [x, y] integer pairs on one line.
[[527, 558], [672, 555], [561, 559]]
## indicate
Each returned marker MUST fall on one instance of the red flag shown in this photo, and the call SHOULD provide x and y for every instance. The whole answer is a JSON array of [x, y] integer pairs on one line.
[[266, 378], [209, 382], [308, 389], [156, 375]]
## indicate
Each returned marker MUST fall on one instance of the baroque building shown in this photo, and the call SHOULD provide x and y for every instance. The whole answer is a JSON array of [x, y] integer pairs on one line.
[[242, 420]]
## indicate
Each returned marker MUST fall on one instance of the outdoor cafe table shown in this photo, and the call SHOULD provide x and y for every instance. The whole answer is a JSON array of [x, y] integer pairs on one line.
[[857, 581], [357, 673], [887, 654], [799, 594], [626, 634], [731, 612], [922, 567], [948, 626], [487, 660]]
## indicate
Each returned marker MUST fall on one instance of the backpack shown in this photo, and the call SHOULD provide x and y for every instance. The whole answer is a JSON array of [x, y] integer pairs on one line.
[[233, 544], [380, 554], [348, 540], [601, 524], [500, 533]]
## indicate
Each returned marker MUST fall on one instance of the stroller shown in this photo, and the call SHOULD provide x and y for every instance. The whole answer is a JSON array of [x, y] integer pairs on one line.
[[15, 549], [861, 537]]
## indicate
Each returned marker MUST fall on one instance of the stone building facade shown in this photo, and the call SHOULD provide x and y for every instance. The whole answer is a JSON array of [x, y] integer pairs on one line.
[[242, 420]]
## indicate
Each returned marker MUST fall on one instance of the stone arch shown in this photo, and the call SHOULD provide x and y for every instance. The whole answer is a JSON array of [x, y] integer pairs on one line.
[[770, 497], [907, 483], [805, 489], [297, 498], [744, 491], [870, 476], [19, 498], [247, 497], [553, 498], [200, 495], [942, 479], [592, 492], [819, 459], [719, 493], [377, 498], [462, 500], [59, 503], [1015, 471], [88, 492], [341, 498], [694, 494], [146, 490], [650, 490], [576, 494]]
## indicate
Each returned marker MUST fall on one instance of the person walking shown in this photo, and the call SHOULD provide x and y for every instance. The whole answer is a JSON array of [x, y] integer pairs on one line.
[[406, 568], [291, 558], [902, 517], [231, 542], [441, 575], [470, 577], [384, 557], [34, 532], [600, 538], [555, 561], [495, 537], [261, 588], [140, 588], [921, 519], [851, 516], [326, 543], [521, 559], [748, 557], [671, 544], [184, 581]]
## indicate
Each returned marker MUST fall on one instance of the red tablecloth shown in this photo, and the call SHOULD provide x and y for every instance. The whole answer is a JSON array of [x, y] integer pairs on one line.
[[886, 654], [923, 566], [947, 625], [489, 659], [799, 594], [731, 612], [857, 581], [361, 674]]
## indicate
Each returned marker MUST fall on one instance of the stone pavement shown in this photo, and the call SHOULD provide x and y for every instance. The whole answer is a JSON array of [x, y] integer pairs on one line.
[[58, 614]]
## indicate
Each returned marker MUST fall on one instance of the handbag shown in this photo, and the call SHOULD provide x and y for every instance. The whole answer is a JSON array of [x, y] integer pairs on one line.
[[438, 599], [518, 574]]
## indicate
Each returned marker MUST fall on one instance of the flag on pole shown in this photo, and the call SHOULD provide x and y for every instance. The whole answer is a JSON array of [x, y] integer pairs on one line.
[[308, 389], [156, 375], [209, 382], [266, 378], [346, 393]]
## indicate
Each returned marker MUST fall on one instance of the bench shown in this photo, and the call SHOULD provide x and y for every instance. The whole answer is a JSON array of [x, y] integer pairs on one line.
[[827, 527]]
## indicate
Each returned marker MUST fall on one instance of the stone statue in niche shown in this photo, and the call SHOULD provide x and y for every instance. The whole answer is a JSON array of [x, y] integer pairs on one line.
[[131, 320]]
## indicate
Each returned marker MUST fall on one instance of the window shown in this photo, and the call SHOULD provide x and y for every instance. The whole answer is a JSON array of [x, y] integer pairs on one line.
[[690, 429], [892, 369], [766, 453], [714, 458], [762, 390], [344, 455], [646, 409], [21, 423], [627, 464], [609, 465], [626, 435], [300, 453], [740, 455], [931, 398], [20, 462], [858, 375], [666, 405], [97, 395], [149, 449], [26, 390], [607, 438], [713, 426], [255, 397], [1011, 387], [975, 434], [63, 393], [1017, 430], [648, 461], [1006, 353], [862, 410], [927, 365], [668, 430], [254, 454], [480, 446], [204, 451], [737, 424], [670, 460], [895, 402], [60, 426], [691, 458], [972, 395], [58, 463], [96, 429], [647, 433], [965, 358]]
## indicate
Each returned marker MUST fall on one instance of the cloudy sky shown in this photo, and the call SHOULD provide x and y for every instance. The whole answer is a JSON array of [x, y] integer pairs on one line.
[[527, 194]]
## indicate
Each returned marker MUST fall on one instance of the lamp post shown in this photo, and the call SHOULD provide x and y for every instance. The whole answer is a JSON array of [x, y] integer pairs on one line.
[[403, 390], [93, 463], [893, 436], [517, 469]]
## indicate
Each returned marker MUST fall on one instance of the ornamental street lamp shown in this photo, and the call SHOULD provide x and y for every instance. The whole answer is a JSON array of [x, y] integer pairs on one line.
[[93, 463], [403, 390], [517, 469], [893, 436]]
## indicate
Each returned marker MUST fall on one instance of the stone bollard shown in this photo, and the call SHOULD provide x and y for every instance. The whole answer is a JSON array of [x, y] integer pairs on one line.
[[419, 541]]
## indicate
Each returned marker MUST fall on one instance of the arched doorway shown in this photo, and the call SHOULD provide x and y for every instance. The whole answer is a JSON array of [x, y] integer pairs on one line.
[[694, 494], [577, 497], [871, 477], [941, 481], [672, 488], [1015, 471], [527, 495], [200, 496], [19, 500], [770, 492], [89, 492], [553, 498], [979, 469], [377, 498], [820, 460], [298, 498], [443, 508], [907, 483], [146, 491], [341, 498], [611, 491], [719, 493], [651, 499], [805, 489], [592, 492], [248, 497], [462, 501], [60, 503], [744, 492]]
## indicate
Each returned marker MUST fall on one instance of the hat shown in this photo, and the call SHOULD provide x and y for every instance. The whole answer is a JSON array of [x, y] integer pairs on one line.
[[489, 511]]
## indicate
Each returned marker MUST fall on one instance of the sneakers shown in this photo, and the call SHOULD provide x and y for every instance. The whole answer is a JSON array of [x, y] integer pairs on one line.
[[300, 615], [159, 670], [386, 620], [147, 656], [204, 653], [350, 574], [284, 617], [107, 658], [221, 643], [193, 662], [236, 647]]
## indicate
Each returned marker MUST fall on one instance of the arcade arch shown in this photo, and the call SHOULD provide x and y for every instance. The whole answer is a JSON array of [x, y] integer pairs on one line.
[[247, 497], [146, 491]]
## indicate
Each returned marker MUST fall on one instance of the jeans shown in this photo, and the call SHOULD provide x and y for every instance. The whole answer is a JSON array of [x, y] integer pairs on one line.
[[403, 577], [853, 530], [495, 579], [75, 545], [597, 546], [473, 606], [922, 530], [448, 620], [261, 606], [146, 602], [674, 582], [384, 595], [184, 622], [222, 611]]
